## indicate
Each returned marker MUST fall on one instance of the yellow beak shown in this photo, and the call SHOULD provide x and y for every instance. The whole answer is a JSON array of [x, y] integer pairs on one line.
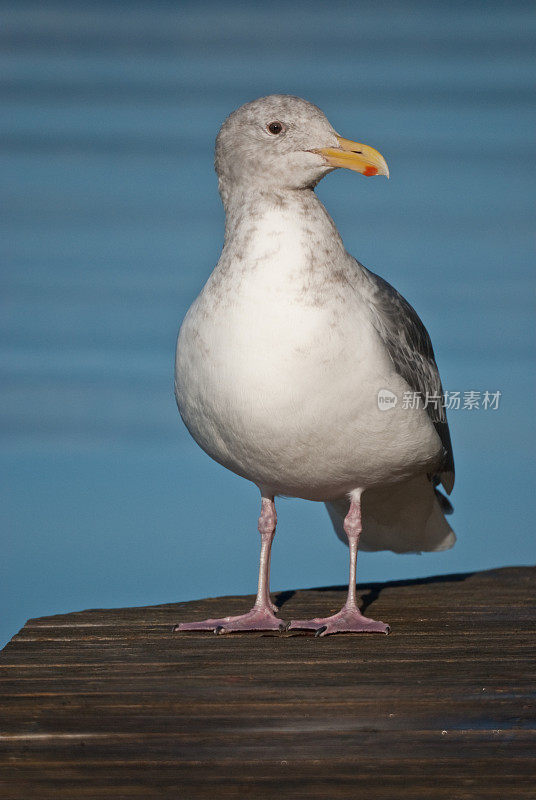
[[358, 157]]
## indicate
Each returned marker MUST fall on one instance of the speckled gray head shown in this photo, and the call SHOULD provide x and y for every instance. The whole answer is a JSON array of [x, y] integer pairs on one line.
[[283, 142]]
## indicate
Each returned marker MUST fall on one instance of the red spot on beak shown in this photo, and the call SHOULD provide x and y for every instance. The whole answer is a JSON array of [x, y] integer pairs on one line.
[[370, 171]]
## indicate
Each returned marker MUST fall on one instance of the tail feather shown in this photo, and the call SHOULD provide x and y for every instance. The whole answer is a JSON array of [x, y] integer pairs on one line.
[[444, 503], [406, 517]]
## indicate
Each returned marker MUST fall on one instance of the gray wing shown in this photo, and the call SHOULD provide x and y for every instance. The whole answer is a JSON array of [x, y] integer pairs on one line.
[[412, 354]]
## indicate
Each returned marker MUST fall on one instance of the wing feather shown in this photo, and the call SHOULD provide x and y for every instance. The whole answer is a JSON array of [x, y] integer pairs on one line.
[[410, 349]]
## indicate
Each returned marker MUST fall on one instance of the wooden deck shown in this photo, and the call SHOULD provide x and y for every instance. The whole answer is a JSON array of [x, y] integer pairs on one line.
[[112, 704]]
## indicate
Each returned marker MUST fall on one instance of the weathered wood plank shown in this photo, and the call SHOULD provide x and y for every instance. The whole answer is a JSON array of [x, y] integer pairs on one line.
[[112, 704]]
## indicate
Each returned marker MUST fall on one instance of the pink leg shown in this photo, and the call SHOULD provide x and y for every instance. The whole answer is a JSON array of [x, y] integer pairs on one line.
[[349, 619], [261, 617]]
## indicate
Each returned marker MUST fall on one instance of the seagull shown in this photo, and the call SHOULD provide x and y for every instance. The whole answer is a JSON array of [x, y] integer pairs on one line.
[[298, 368]]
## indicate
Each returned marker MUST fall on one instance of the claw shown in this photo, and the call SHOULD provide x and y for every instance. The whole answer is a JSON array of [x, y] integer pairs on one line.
[[347, 620], [258, 619]]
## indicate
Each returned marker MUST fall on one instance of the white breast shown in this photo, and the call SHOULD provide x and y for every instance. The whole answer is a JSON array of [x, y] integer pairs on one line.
[[278, 370]]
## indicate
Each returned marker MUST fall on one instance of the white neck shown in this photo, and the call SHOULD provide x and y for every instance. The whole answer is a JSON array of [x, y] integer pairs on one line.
[[258, 223]]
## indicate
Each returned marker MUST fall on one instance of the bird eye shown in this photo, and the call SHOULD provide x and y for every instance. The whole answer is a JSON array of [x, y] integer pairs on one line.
[[275, 127]]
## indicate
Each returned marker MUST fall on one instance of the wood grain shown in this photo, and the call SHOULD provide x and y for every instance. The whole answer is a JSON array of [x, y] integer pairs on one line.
[[112, 704]]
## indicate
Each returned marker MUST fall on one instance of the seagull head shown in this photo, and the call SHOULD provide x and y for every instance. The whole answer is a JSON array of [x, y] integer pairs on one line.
[[284, 142]]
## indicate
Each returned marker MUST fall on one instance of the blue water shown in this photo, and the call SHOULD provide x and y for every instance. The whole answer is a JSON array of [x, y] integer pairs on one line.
[[111, 223]]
